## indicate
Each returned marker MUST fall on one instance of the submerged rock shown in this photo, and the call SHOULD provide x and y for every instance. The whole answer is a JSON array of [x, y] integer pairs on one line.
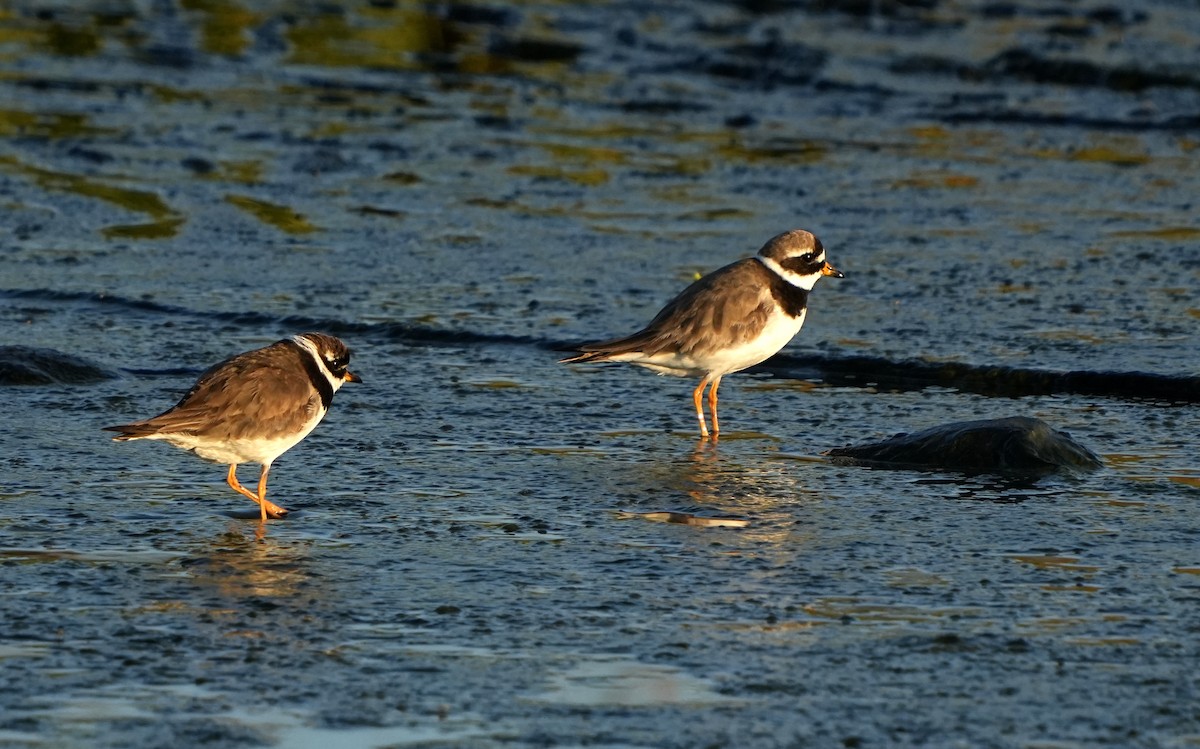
[[26, 365], [1014, 444], [911, 374]]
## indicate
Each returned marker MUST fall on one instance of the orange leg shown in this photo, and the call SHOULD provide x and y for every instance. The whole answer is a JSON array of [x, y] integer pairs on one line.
[[712, 406], [697, 394], [269, 509]]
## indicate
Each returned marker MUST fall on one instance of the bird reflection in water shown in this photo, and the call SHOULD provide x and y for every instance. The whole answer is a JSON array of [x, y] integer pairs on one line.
[[238, 566], [710, 488]]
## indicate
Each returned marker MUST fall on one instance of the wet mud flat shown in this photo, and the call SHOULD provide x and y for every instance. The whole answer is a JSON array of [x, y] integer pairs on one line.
[[474, 558], [464, 570]]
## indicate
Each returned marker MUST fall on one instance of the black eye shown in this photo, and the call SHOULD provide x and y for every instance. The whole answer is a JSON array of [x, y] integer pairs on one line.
[[808, 257]]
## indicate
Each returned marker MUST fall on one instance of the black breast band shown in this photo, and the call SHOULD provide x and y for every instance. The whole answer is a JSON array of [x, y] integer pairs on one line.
[[316, 376], [792, 299]]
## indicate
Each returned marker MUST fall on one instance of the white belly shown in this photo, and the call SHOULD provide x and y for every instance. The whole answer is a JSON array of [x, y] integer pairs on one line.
[[242, 450], [779, 330]]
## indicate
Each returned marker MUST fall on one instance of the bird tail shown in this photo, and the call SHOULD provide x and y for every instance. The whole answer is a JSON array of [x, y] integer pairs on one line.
[[641, 342], [132, 431], [586, 356]]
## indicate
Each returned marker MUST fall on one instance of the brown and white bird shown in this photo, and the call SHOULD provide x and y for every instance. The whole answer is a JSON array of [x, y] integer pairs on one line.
[[253, 407], [731, 319]]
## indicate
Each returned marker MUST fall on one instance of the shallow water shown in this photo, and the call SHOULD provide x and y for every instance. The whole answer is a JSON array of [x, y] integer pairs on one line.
[[473, 559]]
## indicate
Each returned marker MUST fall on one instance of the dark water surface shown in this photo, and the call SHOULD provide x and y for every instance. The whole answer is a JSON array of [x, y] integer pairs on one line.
[[457, 189]]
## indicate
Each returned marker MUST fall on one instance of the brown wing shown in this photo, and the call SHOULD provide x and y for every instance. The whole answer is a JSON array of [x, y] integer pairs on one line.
[[265, 391], [730, 304]]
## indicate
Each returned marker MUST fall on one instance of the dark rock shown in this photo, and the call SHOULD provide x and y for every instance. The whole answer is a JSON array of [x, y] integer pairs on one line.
[[913, 374], [89, 154], [536, 50], [198, 165], [25, 365], [483, 15], [1014, 444], [1025, 65], [168, 56]]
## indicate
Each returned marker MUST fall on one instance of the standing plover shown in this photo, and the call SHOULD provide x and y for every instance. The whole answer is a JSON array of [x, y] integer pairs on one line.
[[253, 407], [731, 319]]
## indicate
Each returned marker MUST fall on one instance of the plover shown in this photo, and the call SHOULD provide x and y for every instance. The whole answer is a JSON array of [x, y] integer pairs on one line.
[[253, 407], [731, 319]]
